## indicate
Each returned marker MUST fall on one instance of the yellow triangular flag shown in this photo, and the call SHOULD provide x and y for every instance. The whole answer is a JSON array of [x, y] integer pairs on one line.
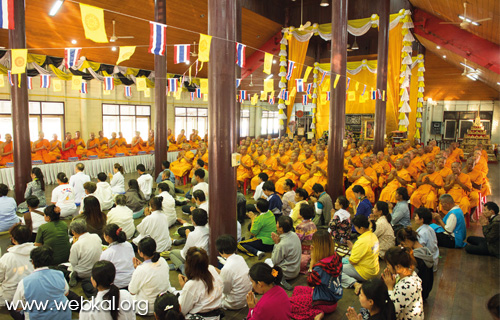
[[363, 98], [125, 53], [268, 62], [147, 93], [383, 95], [57, 85], [205, 97], [337, 77], [293, 93], [204, 85], [263, 95], [351, 96], [190, 73], [306, 74], [93, 23], [201, 67], [268, 85], [106, 92], [204, 48], [76, 83], [2, 82], [18, 60], [141, 84], [357, 86]]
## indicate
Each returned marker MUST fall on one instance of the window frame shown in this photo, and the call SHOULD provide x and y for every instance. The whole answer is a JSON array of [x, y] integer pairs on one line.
[[185, 116], [269, 115], [247, 116], [120, 115]]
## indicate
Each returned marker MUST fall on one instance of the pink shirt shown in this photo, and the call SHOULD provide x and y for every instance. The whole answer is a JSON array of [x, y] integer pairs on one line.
[[266, 308]]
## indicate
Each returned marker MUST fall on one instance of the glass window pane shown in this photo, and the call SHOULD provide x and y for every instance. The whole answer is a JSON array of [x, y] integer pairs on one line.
[[127, 110], [245, 127], [110, 109], [203, 112], [180, 123], [127, 126], [110, 124], [276, 125], [143, 127], [263, 126], [34, 107], [180, 112], [202, 126], [143, 110], [245, 114], [51, 126], [190, 125], [192, 111], [52, 108], [33, 124], [5, 127], [5, 107]]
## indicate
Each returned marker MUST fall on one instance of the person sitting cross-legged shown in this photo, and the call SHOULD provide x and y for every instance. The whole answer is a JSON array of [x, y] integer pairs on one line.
[[489, 245], [122, 216], [154, 225], [275, 203], [427, 235], [305, 230], [450, 230], [104, 192], [201, 203]]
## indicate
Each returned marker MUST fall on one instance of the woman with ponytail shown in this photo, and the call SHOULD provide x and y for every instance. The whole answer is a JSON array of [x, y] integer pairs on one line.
[[374, 297], [36, 188], [274, 303], [64, 197], [167, 307], [404, 285], [120, 302], [54, 234], [150, 277], [120, 253], [117, 181], [380, 220]]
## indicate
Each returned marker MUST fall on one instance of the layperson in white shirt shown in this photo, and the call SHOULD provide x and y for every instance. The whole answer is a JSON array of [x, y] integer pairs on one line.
[[120, 302], [150, 277], [145, 181], [168, 203], [89, 188], [201, 203], [196, 238], [104, 192], [76, 182], [234, 274], [259, 193], [120, 253], [199, 175], [117, 180], [64, 197], [15, 264], [122, 215], [34, 218], [202, 286], [167, 306], [340, 211], [155, 225]]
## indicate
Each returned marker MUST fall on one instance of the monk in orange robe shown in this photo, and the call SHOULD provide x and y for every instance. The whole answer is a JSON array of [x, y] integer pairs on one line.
[[435, 148], [68, 147], [481, 164], [456, 152], [293, 171], [385, 167], [458, 185], [136, 145], [442, 169], [55, 147], [364, 176], [181, 138], [258, 159], [93, 146], [6, 151], [150, 145], [172, 146], [183, 164], [103, 145], [398, 177], [41, 149], [81, 149], [477, 179], [282, 160], [269, 166], [313, 145], [318, 173], [428, 184], [244, 170], [201, 154], [113, 145], [288, 149]]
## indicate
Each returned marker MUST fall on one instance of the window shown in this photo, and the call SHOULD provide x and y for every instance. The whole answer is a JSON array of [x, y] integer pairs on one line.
[[270, 123], [244, 123], [189, 119], [126, 119], [44, 116]]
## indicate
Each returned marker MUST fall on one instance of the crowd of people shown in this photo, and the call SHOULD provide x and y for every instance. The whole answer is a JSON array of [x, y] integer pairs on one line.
[[336, 243]]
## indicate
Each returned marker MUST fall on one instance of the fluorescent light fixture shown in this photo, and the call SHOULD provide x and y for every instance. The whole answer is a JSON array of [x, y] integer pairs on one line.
[[269, 76], [469, 20], [472, 76], [463, 64], [438, 47], [324, 3], [55, 7], [73, 41], [444, 57]]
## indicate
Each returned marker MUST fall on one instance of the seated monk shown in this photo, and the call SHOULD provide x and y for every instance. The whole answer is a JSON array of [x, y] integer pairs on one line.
[[428, 184], [253, 150], [307, 160], [201, 154], [183, 164], [172, 146], [288, 149], [113, 145], [258, 159], [318, 173], [364, 176], [55, 147], [442, 169], [384, 167], [41, 150], [181, 139], [435, 148], [428, 156], [244, 170], [93, 146], [195, 139], [313, 145], [456, 152], [6, 151], [136, 145], [121, 145], [81, 149], [103, 144], [68, 147], [269, 166], [150, 146], [282, 160], [293, 171], [398, 177], [477, 179], [458, 185], [481, 163]]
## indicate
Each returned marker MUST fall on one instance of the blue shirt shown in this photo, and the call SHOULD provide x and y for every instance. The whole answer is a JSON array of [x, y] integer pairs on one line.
[[172, 176], [364, 208], [8, 214], [401, 214], [427, 238], [275, 204]]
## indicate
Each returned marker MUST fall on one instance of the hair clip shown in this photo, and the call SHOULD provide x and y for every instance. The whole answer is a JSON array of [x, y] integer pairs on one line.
[[274, 273], [168, 308], [118, 231]]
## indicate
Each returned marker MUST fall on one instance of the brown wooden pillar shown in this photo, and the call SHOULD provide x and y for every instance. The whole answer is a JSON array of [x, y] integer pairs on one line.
[[20, 110], [160, 96], [382, 58], [338, 63], [222, 20], [238, 74]]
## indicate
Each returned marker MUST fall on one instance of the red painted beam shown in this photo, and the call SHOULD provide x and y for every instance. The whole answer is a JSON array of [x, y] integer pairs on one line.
[[457, 40], [253, 62]]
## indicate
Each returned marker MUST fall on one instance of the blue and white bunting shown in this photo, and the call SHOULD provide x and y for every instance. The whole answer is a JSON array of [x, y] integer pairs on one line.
[[271, 99], [198, 93], [30, 83], [9, 75], [328, 96], [157, 38], [45, 81], [240, 54], [305, 100], [238, 82], [309, 88], [181, 53]]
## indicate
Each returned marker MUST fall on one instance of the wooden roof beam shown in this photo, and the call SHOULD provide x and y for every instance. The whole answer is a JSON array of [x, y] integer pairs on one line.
[[256, 60]]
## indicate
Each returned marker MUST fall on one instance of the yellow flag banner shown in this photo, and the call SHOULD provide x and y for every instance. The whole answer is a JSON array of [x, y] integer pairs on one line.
[[263, 95], [190, 73], [141, 84], [204, 86], [76, 83], [306, 74], [205, 97], [268, 85], [18, 60], [351, 96], [125, 53], [93, 23], [268, 62], [57, 85], [204, 48], [147, 93], [363, 98], [106, 92], [337, 77]]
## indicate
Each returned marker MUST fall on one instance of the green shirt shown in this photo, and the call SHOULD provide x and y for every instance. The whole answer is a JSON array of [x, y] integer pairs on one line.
[[55, 235], [263, 225]]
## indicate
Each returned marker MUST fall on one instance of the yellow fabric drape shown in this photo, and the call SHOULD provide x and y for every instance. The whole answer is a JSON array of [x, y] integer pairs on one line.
[[412, 117], [297, 53], [393, 71], [36, 58]]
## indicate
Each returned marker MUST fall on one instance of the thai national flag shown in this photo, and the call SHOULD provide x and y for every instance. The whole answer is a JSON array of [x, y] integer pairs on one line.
[[128, 91], [44, 80], [322, 78], [309, 87], [291, 66], [243, 94], [198, 93], [238, 82], [364, 89], [30, 83], [84, 88], [172, 85], [192, 96], [181, 53], [305, 100], [379, 94], [281, 95], [285, 96], [328, 96], [71, 56], [7, 14], [109, 83], [300, 85], [271, 99], [373, 94], [348, 83], [157, 38], [9, 75], [240, 54]]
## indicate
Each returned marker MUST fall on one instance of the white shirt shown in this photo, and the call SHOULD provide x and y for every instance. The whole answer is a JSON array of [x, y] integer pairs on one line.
[[194, 297], [118, 183], [342, 214], [121, 255], [451, 223], [14, 266], [156, 226], [203, 186], [36, 220], [197, 238], [123, 216], [145, 182], [149, 280], [84, 253], [76, 182], [104, 194], [64, 197], [238, 230], [168, 207], [236, 282], [259, 193], [204, 206], [126, 306]]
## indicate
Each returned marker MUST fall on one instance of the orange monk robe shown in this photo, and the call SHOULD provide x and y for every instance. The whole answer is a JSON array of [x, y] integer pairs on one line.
[[482, 165], [313, 148], [309, 161], [204, 157], [366, 184], [459, 194], [388, 194], [356, 161], [477, 177], [57, 150], [436, 150], [484, 154], [297, 166], [257, 161], [150, 145], [7, 147], [317, 177], [103, 146], [70, 153], [457, 154], [428, 157], [43, 154], [121, 146], [394, 157], [363, 155], [280, 172], [243, 173], [112, 150], [426, 195], [181, 166], [181, 140], [138, 147], [384, 169], [81, 150], [93, 151], [289, 152], [270, 165], [172, 145], [418, 163]]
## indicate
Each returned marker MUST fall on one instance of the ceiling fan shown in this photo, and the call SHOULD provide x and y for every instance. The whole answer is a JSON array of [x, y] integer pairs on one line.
[[113, 38], [308, 23], [469, 71], [466, 22]]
